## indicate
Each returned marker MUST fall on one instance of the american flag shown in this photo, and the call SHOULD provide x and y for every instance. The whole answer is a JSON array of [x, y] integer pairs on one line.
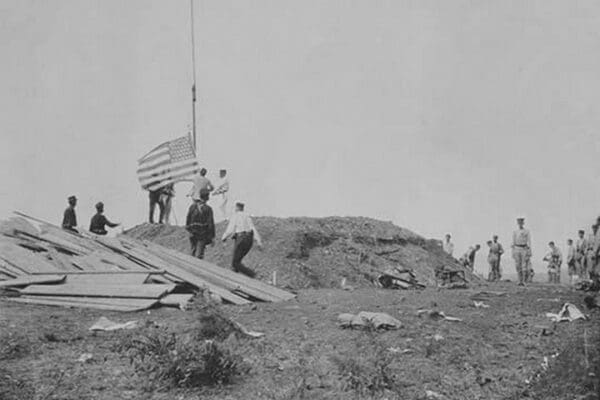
[[168, 163]]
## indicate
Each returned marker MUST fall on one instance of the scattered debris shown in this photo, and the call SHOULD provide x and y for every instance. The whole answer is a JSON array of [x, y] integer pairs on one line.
[[252, 334], [366, 319], [85, 358], [398, 278], [450, 278], [480, 304], [592, 301], [105, 324], [568, 312], [544, 330], [486, 295], [397, 350], [438, 315], [430, 394]]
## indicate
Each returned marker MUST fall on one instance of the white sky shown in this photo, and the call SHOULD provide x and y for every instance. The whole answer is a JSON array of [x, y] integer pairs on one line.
[[440, 116]]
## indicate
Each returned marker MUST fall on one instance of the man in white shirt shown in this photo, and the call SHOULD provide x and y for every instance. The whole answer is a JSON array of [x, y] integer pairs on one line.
[[447, 245], [244, 233], [521, 247], [200, 182], [223, 190]]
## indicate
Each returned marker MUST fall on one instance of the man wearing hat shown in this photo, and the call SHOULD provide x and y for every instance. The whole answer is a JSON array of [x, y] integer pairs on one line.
[[521, 249], [200, 224], [69, 222], [200, 182], [244, 233], [99, 221]]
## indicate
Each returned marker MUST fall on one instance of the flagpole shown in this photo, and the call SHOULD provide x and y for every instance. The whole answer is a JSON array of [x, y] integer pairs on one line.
[[193, 77]]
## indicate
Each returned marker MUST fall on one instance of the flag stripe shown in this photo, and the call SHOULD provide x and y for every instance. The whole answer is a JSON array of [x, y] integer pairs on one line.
[[190, 168], [156, 156], [167, 163], [155, 150], [171, 180], [166, 168]]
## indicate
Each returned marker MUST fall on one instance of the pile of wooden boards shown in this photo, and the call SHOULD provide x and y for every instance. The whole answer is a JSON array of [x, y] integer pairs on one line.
[[48, 265]]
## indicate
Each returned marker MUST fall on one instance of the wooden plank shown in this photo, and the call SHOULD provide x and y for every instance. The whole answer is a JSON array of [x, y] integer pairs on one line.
[[8, 227], [61, 261], [251, 286], [145, 272], [107, 279], [91, 262], [56, 241], [109, 304], [142, 256], [7, 269], [33, 279], [208, 276], [220, 281], [186, 275], [119, 260], [92, 290], [23, 259]]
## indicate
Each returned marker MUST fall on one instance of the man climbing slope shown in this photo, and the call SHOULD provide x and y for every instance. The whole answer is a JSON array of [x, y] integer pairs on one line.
[[244, 233]]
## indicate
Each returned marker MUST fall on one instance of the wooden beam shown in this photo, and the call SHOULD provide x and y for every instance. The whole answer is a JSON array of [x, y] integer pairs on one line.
[[109, 304], [150, 291], [32, 279]]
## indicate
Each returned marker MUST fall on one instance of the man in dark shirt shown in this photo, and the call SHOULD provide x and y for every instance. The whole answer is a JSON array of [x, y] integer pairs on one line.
[[99, 221], [200, 224], [69, 222]]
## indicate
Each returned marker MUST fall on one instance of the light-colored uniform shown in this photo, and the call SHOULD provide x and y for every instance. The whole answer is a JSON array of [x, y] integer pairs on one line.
[[494, 255], [554, 258], [223, 190], [521, 245], [448, 247]]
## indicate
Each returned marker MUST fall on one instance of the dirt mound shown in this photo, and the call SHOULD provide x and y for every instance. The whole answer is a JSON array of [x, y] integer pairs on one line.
[[319, 252]]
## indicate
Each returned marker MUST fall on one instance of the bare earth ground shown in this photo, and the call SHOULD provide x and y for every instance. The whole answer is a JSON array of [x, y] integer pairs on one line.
[[304, 354]]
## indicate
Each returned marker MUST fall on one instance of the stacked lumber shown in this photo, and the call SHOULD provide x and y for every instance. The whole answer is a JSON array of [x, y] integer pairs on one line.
[[44, 264]]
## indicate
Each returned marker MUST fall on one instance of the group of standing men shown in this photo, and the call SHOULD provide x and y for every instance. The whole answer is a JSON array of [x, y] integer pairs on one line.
[[583, 258], [200, 222], [98, 223]]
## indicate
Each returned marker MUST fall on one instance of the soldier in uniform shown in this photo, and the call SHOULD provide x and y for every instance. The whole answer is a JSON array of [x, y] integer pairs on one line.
[[494, 257], [554, 259], [521, 247], [69, 222], [200, 224]]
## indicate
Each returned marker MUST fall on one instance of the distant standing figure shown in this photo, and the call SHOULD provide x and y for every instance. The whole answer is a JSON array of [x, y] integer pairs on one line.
[[242, 230], [447, 245], [468, 259], [554, 259], [580, 254], [99, 221], [200, 224], [571, 260], [200, 182], [494, 257], [592, 243], [223, 190], [521, 246], [69, 222]]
